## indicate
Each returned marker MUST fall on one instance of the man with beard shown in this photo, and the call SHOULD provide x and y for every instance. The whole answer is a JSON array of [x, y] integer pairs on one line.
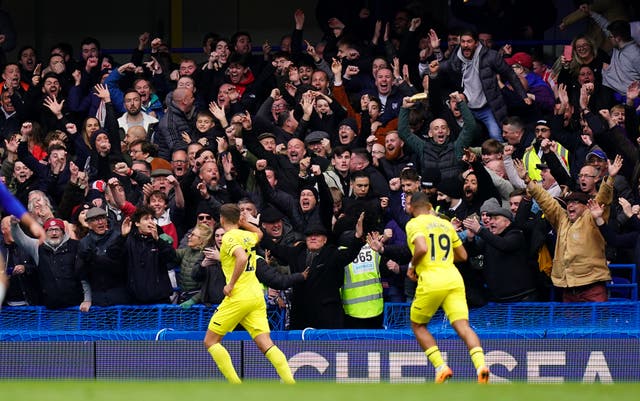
[[209, 188], [54, 257], [100, 261], [476, 67], [439, 150], [149, 101], [395, 159], [134, 116], [533, 154], [478, 185], [43, 102], [287, 166]]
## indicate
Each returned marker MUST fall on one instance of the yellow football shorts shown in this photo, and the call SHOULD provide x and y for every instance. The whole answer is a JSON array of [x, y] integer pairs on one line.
[[251, 313], [452, 300]]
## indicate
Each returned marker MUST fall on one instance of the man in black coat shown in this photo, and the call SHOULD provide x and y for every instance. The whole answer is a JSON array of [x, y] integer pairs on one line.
[[316, 302], [54, 258], [100, 261], [508, 276]]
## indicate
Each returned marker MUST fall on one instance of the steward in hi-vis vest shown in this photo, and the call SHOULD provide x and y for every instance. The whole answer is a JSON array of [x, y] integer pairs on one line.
[[362, 291]]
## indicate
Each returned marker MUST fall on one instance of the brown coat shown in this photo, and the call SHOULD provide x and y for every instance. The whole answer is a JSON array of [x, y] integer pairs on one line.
[[579, 253]]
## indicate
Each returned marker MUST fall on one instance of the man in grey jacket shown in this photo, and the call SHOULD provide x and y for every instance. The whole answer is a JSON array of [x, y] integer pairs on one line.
[[625, 59], [476, 67]]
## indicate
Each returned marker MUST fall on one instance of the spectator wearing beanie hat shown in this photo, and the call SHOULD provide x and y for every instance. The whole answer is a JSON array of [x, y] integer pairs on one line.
[[281, 232], [79, 220], [450, 199], [95, 195], [312, 206], [348, 133], [55, 259], [204, 215]]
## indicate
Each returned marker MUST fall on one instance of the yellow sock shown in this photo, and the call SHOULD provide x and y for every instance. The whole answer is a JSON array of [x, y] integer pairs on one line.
[[279, 361], [477, 356], [434, 356], [222, 358]]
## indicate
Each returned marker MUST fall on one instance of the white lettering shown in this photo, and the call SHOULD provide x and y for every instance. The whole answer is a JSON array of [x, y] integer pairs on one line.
[[312, 359], [536, 359], [373, 369], [399, 359], [500, 358], [597, 367]]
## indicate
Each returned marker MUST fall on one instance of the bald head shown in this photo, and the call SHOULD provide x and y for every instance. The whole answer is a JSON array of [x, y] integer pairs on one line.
[[183, 98], [439, 131], [135, 133], [296, 150]]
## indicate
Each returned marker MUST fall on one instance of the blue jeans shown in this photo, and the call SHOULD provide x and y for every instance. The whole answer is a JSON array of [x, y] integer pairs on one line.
[[485, 114]]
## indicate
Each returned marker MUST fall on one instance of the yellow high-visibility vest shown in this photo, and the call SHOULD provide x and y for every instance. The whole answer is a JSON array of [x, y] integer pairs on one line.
[[362, 289], [531, 158]]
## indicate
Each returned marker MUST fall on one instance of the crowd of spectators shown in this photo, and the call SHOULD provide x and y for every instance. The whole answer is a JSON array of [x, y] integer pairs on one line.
[[126, 166]]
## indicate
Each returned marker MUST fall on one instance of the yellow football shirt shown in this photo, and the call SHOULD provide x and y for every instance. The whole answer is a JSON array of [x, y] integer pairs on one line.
[[247, 285], [436, 269]]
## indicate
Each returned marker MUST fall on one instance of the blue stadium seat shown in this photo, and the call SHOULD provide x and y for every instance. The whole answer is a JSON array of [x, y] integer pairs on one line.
[[624, 282]]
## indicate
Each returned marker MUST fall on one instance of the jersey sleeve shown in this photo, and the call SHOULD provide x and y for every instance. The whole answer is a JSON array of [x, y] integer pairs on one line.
[[455, 238], [412, 231]]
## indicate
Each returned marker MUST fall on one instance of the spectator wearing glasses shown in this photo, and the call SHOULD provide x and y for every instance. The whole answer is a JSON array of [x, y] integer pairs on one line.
[[145, 150], [204, 216], [189, 258], [55, 257], [179, 163]]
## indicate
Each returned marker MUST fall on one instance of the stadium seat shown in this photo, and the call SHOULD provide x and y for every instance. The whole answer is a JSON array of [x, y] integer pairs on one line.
[[624, 283]]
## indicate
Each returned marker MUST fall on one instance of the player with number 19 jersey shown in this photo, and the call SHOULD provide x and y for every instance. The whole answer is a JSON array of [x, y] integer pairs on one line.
[[436, 270], [247, 285]]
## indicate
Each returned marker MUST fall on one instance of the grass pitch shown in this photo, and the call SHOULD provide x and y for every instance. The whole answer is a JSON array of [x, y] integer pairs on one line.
[[308, 391]]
